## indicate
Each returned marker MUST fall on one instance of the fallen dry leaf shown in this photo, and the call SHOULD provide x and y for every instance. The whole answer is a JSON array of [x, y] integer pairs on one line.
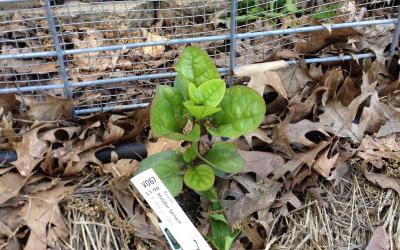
[[379, 240], [378, 73], [284, 54], [297, 133], [372, 150], [40, 183], [323, 164], [332, 79], [59, 135], [339, 120], [113, 131], [94, 61], [258, 133], [153, 51], [79, 160], [92, 126], [250, 231], [375, 114], [260, 80], [8, 102], [280, 140], [33, 66], [390, 127], [30, 151], [301, 106], [43, 217], [294, 165], [383, 181], [376, 38], [10, 222], [321, 39], [10, 184], [348, 91], [262, 76], [391, 123], [316, 72], [289, 197], [52, 109], [261, 163], [162, 144], [261, 196], [293, 79], [253, 69], [122, 168], [125, 198]]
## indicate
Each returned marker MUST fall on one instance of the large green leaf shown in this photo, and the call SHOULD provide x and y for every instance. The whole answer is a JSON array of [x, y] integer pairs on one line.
[[167, 115], [200, 111], [190, 153], [242, 111], [182, 84], [195, 66], [193, 94], [225, 158], [168, 166], [211, 92], [199, 178]]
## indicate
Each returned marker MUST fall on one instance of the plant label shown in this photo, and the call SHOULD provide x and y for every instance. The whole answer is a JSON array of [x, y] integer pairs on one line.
[[173, 218]]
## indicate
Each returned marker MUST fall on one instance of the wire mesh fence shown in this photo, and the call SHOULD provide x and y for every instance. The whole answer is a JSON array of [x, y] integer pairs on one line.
[[112, 54]]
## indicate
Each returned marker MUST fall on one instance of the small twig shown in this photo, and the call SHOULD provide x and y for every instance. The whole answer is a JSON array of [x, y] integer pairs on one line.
[[305, 206], [308, 237]]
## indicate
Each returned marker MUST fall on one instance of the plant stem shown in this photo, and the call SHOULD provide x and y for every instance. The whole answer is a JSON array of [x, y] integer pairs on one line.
[[205, 160]]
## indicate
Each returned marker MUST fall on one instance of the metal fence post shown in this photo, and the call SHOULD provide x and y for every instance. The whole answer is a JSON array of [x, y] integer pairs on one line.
[[395, 39], [59, 50], [232, 42]]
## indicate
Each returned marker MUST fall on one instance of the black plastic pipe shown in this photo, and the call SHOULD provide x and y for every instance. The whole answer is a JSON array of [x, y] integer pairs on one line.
[[135, 151], [7, 156]]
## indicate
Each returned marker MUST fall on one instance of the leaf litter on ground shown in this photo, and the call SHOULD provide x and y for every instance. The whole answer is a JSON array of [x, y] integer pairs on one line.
[[327, 121]]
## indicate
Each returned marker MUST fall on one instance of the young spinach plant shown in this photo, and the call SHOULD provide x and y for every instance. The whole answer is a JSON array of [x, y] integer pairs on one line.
[[199, 103]]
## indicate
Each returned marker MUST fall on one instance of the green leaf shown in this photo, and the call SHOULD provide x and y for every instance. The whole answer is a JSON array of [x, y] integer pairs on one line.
[[224, 157], [325, 12], [167, 166], [222, 237], [199, 178], [230, 238], [256, 10], [290, 7], [196, 66], [211, 195], [242, 111], [211, 92], [193, 135], [193, 94], [190, 154], [219, 217], [199, 111], [167, 115], [182, 84]]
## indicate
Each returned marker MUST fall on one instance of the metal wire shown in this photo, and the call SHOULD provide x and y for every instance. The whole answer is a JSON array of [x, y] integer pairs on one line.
[[60, 52], [110, 53]]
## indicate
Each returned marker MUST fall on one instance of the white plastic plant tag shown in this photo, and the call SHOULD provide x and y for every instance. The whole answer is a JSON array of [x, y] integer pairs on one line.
[[171, 240], [168, 211]]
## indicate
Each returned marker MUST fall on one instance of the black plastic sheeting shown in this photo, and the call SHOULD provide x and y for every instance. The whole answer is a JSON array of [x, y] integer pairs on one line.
[[135, 151]]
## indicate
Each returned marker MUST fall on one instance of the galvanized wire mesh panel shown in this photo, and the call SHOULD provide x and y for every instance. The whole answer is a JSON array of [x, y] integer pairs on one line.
[[97, 51]]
